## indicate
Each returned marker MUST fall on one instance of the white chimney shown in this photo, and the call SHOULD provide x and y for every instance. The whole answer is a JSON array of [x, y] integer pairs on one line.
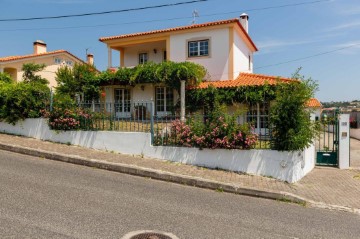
[[90, 59], [39, 47], [244, 20]]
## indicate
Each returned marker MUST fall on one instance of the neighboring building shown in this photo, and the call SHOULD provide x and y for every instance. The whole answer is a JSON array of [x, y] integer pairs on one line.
[[52, 59], [316, 107], [224, 48]]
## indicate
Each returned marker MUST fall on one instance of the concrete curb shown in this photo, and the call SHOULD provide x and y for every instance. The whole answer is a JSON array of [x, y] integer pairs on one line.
[[171, 177]]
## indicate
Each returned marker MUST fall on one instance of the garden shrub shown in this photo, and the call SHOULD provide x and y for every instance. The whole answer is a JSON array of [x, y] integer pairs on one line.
[[292, 127], [66, 115], [22, 100], [219, 130]]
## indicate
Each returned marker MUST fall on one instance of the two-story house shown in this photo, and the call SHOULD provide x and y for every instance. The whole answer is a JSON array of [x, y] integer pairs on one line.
[[224, 48], [52, 60]]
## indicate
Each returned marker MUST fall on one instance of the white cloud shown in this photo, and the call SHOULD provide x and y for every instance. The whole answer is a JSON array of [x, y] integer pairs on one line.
[[348, 48], [345, 26]]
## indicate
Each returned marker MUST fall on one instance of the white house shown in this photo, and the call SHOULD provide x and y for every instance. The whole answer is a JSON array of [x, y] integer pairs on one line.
[[224, 48]]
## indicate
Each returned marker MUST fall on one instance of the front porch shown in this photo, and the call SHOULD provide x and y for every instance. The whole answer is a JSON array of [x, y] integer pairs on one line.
[[138, 52]]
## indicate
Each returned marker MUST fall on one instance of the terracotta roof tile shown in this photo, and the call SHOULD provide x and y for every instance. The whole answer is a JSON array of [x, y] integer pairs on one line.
[[314, 103], [245, 79], [207, 24], [14, 58]]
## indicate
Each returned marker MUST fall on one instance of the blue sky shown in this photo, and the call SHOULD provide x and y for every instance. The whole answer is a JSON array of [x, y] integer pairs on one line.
[[281, 34]]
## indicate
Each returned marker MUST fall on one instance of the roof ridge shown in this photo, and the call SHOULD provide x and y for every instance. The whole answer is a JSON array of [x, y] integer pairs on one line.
[[268, 76], [19, 57], [167, 29]]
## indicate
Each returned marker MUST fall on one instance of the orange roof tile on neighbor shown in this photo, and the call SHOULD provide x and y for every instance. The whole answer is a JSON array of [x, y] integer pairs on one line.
[[207, 24], [314, 103], [245, 79], [14, 58]]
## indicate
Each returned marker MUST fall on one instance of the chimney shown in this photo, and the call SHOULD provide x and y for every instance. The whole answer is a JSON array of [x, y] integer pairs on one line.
[[39, 47], [90, 59], [244, 20]]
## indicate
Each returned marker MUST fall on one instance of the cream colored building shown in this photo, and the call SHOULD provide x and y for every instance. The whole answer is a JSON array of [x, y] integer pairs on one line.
[[52, 59]]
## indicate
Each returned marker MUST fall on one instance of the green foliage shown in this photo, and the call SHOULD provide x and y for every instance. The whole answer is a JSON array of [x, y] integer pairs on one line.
[[218, 130], [30, 76], [6, 78], [210, 98], [292, 126], [169, 73], [81, 79], [22, 100]]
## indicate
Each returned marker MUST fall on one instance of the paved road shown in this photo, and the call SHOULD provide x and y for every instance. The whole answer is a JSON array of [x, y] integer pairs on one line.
[[46, 199]]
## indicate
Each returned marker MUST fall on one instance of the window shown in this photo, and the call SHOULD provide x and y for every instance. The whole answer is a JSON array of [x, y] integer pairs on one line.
[[258, 115], [143, 58], [198, 48], [122, 102], [69, 63], [58, 61], [164, 99]]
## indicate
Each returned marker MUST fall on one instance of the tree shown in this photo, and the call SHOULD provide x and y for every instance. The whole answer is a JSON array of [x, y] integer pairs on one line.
[[30, 76], [81, 79], [292, 127], [5, 77]]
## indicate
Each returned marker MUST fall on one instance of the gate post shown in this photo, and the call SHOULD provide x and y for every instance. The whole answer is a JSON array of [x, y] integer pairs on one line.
[[344, 141]]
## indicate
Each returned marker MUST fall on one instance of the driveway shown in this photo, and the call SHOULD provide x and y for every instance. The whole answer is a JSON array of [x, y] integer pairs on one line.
[[355, 153]]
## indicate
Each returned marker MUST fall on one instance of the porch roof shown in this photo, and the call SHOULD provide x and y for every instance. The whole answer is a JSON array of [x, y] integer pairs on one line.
[[245, 79]]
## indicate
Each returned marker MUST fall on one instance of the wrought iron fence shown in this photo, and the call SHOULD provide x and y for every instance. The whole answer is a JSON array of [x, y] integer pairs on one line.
[[129, 116], [124, 116]]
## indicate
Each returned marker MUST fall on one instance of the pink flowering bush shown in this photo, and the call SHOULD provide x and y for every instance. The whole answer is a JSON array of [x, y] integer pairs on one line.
[[219, 131], [67, 119]]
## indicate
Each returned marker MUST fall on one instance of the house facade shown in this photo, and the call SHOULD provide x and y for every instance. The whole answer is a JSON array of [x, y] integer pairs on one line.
[[52, 60], [224, 48]]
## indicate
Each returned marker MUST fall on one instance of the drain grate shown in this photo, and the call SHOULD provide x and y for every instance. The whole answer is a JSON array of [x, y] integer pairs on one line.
[[149, 235]]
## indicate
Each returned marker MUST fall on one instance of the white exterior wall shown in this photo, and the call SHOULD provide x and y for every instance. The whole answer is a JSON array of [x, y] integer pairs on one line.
[[241, 56], [131, 56], [286, 166], [216, 63]]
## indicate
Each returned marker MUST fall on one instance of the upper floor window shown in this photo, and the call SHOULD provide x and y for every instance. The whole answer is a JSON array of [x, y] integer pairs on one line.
[[69, 63], [143, 58], [198, 48], [58, 61]]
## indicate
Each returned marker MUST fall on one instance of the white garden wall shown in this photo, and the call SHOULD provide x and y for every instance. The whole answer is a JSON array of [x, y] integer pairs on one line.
[[286, 166]]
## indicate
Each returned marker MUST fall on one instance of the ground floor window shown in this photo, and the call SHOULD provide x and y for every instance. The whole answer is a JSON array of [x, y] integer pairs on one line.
[[164, 100], [258, 115], [122, 102]]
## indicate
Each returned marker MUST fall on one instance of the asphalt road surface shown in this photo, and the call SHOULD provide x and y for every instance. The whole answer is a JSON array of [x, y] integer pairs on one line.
[[41, 198]]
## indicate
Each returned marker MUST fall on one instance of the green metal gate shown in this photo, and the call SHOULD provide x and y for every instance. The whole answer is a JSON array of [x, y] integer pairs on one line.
[[327, 145]]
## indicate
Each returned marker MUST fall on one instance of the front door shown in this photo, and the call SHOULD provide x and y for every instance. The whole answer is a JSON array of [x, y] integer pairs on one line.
[[122, 103]]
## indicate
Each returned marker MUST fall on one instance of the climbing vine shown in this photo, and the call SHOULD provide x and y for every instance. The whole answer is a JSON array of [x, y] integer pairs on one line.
[[169, 73], [210, 98]]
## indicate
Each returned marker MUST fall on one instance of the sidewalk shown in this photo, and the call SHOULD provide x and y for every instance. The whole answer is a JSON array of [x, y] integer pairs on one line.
[[323, 187]]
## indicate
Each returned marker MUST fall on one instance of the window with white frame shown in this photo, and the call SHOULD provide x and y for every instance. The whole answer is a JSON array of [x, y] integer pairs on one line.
[[58, 61], [143, 58], [164, 100], [258, 115], [198, 48]]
